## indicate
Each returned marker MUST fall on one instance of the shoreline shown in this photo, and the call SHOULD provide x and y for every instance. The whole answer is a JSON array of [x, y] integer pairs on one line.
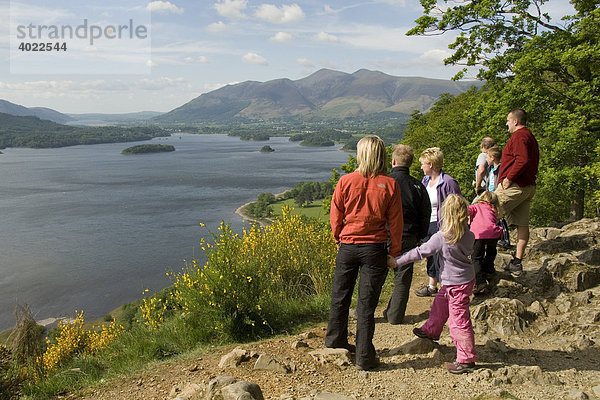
[[240, 210]]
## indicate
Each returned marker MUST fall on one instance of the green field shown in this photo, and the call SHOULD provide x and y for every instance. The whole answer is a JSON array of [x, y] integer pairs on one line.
[[314, 209]]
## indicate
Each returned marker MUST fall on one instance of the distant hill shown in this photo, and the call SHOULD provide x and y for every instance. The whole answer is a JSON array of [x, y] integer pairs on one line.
[[29, 131], [326, 94], [107, 119], [48, 114]]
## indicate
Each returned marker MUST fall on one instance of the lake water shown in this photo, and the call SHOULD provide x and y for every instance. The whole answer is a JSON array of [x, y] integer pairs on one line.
[[86, 228]]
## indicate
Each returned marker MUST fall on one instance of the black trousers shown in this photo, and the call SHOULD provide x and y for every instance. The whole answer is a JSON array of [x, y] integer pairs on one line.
[[396, 308], [484, 255], [370, 260], [433, 268]]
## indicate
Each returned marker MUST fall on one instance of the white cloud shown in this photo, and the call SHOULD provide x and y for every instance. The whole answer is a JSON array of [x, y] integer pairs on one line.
[[305, 62], [164, 6], [151, 63], [326, 37], [200, 59], [281, 37], [280, 15], [209, 87], [217, 27], [233, 9], [253, 58]]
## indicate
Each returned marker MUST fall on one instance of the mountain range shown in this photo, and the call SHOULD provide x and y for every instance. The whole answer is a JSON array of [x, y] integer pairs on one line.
[[49, 114], [326, 94]]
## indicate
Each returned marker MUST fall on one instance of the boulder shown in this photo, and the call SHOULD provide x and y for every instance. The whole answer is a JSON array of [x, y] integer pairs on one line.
[[213, 390], [558, 265], [189, 391], [590, 256], [583, 279], [242, 390], [298, 344], [500, 315], [416, 346], [339, 357], [270, 363], [234, 358]]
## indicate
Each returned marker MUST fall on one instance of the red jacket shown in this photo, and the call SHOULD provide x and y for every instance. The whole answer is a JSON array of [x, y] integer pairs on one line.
[[520, 158], [361, 207]]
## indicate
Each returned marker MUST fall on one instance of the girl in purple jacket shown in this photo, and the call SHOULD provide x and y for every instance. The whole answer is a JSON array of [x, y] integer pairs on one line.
[[454, 244], [484, 225]]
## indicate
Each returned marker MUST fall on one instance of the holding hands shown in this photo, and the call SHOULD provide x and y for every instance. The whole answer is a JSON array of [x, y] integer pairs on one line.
[[391, 262]]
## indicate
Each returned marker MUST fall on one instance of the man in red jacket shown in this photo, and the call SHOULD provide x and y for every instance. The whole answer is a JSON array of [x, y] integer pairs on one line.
[[518, 169]]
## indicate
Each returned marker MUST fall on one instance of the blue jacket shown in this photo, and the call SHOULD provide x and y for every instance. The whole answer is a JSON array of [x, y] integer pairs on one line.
[[446, 185]]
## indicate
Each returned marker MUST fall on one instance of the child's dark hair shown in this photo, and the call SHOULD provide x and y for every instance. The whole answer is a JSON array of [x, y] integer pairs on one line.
[[491, 198]]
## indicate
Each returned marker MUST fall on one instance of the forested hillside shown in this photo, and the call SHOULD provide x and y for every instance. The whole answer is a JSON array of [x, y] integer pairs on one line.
[[549, 68]]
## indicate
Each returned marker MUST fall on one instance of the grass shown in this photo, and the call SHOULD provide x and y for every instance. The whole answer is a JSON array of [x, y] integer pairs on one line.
[[312, 210]]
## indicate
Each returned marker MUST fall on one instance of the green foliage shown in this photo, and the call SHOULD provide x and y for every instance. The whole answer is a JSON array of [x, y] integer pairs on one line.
[[148, 148], [261, 208], [257, 283], [306, 192], [550, 70], [266, 149], [34, 132]]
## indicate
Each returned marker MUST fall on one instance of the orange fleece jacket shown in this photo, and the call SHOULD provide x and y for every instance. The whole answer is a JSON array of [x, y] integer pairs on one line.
[[361, 207]]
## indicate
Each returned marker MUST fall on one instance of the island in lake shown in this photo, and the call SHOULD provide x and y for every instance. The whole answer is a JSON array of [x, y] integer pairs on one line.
[[148, 148], [267, 149]]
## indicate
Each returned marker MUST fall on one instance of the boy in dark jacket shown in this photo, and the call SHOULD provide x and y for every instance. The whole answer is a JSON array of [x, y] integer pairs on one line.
[[416, 210]]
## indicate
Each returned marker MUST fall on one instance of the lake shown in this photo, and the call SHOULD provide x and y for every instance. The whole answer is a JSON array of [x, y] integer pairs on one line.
[[86, 228]]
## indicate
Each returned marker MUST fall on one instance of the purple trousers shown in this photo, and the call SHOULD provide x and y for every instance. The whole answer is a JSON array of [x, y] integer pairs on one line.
[[452, 304]]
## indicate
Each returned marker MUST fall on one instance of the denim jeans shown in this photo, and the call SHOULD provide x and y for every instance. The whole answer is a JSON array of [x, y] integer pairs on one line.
[[370, 261]]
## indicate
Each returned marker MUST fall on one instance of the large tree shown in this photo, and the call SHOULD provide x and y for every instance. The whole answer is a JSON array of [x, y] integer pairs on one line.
[[549, 68]]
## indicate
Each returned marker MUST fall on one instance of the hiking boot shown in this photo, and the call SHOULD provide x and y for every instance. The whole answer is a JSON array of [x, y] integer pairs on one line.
[[514, 267], [505, 245], [368, 366], [460, 368], [421, 334], [426, 291]]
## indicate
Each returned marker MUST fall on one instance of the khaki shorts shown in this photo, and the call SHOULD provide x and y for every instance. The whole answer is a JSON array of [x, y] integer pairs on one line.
[[515, 203]]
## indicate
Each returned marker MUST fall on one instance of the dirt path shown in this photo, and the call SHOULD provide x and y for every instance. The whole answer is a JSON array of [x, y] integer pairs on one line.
[[400, 376]]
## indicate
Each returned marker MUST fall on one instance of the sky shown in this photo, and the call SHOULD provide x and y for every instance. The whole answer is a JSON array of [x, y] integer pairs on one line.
[[183, 48]]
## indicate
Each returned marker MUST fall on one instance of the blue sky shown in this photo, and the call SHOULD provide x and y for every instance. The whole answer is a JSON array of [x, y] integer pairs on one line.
[[196, 46]]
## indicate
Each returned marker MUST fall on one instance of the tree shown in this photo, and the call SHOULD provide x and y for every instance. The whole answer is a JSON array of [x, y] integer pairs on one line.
[[551, 70]]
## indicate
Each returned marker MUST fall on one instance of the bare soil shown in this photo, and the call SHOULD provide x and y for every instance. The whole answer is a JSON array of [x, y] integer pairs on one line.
[[399, 376]]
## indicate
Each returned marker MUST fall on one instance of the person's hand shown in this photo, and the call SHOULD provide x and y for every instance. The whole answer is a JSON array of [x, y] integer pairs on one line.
[[391, 262], [506, 183]]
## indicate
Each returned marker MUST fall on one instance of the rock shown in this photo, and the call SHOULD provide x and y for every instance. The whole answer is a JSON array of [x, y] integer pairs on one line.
[[584, 279], [533, 375], [590, 256], [213, 391], [437, 357], [565, 243], [558, 265], [544, 281], [307, 335], [538, 309], [298, 344], [331, 396], [596, 390], [582, 343], [502, 315], [270, 363], [497, 346], [339, 357], [242, 390], [508, 289], [416, 346], [190, 390], [234, 358], [575, 394]]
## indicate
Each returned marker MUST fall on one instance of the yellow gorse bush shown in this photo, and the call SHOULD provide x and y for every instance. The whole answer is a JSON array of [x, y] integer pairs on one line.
[[73, 338], [247, 276]]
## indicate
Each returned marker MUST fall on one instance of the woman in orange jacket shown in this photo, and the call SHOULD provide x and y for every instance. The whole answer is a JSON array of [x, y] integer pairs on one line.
[[366, 211]]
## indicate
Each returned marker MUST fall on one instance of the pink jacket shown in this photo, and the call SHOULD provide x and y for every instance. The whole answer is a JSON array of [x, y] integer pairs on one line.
[[484, 221]]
